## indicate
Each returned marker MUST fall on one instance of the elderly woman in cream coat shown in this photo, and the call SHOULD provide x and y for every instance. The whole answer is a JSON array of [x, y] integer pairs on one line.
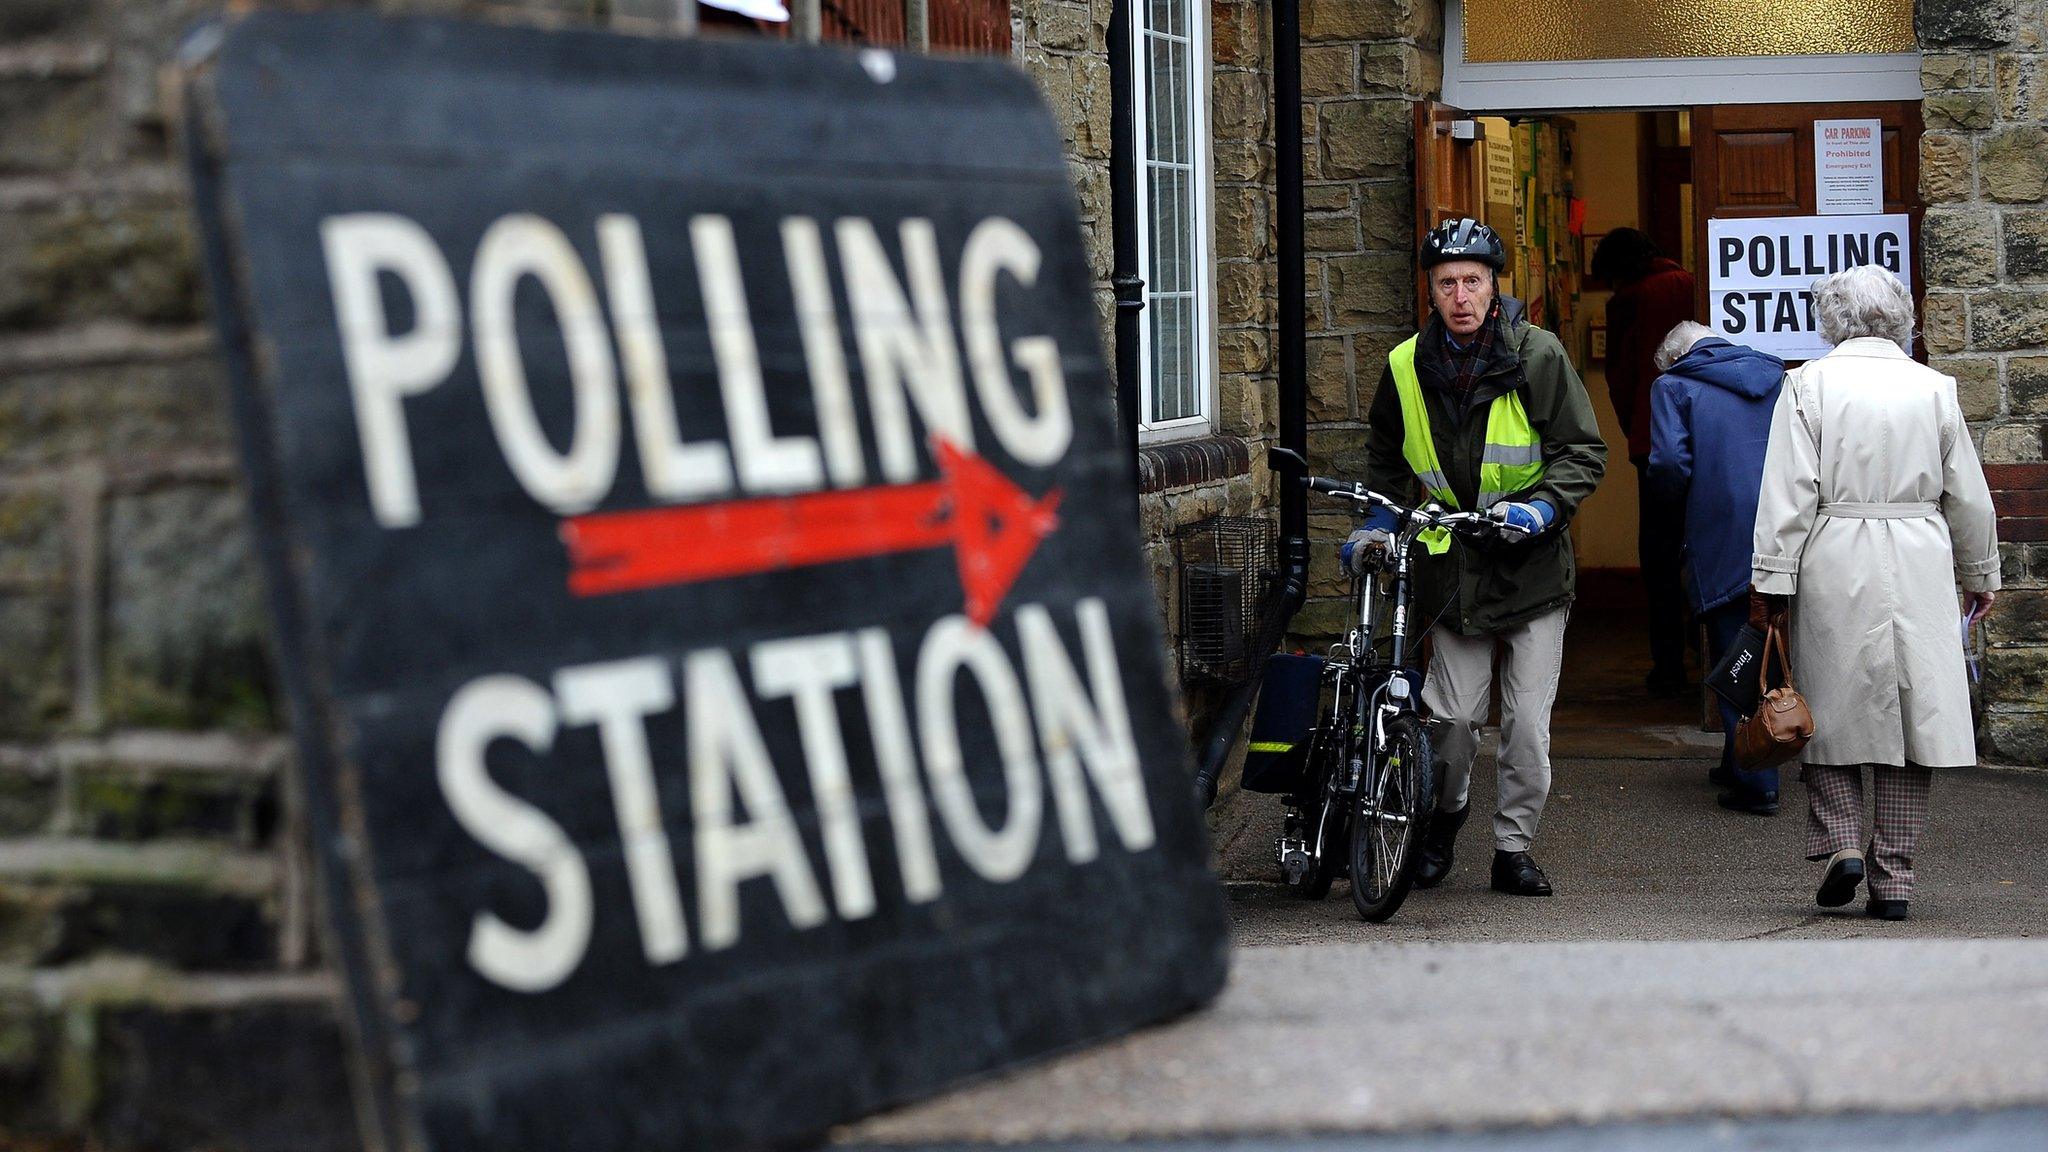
[[1873, 511]]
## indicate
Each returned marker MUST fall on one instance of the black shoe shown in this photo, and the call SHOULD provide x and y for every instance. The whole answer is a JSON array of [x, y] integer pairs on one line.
[[1720, 777], [1753, 803], [1435, 861], [1517, 875], [1881, 909], [1667, 683], [1844, 875]]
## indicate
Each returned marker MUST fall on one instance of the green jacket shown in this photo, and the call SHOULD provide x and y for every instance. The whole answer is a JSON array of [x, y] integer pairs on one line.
[[1493, 588]]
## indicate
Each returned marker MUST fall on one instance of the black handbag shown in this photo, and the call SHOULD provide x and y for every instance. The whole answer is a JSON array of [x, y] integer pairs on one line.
[[1736, 678]]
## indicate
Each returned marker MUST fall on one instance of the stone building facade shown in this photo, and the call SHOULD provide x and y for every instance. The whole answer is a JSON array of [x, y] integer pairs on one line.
[[1984, 242], [161, 983]]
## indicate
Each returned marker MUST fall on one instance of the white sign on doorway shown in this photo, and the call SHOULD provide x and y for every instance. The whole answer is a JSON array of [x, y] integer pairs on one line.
[[1500, 161], [1760, 273], [1848, 167]]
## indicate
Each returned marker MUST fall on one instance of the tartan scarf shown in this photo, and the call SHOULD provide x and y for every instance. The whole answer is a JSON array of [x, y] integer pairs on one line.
[[1467, 361]]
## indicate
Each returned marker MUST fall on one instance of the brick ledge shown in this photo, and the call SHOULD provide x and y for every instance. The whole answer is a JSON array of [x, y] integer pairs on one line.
[[1184, 463]]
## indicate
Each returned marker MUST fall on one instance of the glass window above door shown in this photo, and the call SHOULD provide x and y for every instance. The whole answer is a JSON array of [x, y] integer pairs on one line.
[[1509, 55], [1526, 31]]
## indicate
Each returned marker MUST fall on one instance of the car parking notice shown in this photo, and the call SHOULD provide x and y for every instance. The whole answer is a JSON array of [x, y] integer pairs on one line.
[[1760, 273], [727, 682], [1848, 167]]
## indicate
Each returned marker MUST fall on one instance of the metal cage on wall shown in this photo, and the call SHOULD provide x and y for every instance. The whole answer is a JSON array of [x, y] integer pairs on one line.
[[1229, 573]]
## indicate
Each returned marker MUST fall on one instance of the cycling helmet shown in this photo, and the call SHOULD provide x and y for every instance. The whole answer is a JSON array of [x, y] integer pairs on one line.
[[1463, 239]]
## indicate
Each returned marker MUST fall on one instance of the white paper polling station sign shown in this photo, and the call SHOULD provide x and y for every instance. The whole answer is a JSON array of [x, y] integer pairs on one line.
[[1760, 273], [728, 686]]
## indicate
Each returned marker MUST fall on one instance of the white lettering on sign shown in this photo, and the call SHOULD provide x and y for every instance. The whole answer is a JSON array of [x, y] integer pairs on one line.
[[904, 330], [1760, 273], [674, 470], [514, 248], [513, 708], [385, 367], [741, 827]]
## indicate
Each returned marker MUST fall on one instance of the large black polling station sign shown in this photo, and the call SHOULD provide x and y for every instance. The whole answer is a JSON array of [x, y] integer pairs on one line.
[[729, 692]]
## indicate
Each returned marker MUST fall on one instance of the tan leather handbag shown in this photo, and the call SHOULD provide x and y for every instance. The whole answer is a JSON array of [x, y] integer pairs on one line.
[[1781, 725]]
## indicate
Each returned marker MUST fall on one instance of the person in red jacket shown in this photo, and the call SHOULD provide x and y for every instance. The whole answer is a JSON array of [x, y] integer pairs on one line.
[[1652, 295]]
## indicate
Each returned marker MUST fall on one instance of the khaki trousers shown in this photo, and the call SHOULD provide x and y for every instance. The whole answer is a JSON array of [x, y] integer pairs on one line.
[[1457, 691]]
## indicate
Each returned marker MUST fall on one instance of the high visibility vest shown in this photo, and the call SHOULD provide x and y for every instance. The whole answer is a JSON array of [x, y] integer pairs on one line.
[[1511, 461]]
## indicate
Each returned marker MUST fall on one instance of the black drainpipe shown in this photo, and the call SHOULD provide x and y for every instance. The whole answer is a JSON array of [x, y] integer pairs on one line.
[[1124, 281], [1293, 388]]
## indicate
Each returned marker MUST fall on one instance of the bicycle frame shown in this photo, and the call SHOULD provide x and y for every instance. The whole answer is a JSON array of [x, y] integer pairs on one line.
[[1348, 749]]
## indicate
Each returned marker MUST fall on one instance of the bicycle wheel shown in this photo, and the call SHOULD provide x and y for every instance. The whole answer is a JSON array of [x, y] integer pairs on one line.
[[1327, 818], [1387, 828], [1323, 872]]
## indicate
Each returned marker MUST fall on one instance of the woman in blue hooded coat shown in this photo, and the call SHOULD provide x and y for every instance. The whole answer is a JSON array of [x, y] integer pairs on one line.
[[1710, 422]]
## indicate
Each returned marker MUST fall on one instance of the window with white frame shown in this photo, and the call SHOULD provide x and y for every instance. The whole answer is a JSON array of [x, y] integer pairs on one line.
[[1171, 77]]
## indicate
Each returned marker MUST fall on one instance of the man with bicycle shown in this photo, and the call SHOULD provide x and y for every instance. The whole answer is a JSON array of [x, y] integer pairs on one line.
[[1482, 411]]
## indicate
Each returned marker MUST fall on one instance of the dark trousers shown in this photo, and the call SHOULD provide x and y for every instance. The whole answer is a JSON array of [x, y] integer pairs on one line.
[[1722, 625], [1660, 545]]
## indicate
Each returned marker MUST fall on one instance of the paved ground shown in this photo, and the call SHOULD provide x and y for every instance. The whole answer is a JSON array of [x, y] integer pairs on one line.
[[2003, 1130], [1680, 992], [1401, 1038], [1637, 850]]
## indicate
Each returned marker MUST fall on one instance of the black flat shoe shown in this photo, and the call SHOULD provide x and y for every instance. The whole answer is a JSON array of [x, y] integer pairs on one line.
[[1666, 683], [1844, 876], [1437, 846], [1749, 802], [1517, 875], [1882, 909]]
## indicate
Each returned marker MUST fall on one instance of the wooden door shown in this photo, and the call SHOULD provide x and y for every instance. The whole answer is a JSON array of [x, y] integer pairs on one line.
[[1449, 174], [1666, 172], [1757, 160]]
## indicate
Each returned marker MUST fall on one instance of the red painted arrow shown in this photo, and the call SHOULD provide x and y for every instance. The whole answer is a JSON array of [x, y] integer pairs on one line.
[[993, 525]]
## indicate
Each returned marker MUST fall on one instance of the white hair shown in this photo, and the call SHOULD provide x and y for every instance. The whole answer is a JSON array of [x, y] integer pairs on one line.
[[1678, 342], [1864, 301]]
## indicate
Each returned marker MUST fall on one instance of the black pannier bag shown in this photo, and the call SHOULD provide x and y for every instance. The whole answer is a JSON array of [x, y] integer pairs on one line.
[[1280, 728]]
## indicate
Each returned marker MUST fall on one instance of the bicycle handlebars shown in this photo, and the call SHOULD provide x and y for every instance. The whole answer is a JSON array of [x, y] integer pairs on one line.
[[1473, 524]]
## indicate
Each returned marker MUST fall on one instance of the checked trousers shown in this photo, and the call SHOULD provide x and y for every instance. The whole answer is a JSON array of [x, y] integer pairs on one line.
[[1834, 819]]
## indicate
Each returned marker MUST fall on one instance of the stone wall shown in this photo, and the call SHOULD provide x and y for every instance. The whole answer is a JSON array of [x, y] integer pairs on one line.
[[156, 924], [161, 981], [1241, 159], [1363, 63], [1984, 252]]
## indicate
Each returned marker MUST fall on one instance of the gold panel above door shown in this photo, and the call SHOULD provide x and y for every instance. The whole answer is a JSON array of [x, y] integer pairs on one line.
[[1526, 31]]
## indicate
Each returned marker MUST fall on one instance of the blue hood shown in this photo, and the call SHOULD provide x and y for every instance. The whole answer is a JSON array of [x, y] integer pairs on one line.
[[1710, 426], [1733, 367]]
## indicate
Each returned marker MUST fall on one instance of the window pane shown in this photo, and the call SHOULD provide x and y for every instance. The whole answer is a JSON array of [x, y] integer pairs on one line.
[[1174, 358], [1172, 267], [1169, 101], [1157, 92]]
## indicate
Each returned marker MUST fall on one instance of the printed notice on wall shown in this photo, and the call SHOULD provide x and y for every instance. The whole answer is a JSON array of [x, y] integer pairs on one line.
[[1760, 273], [1848, 167]]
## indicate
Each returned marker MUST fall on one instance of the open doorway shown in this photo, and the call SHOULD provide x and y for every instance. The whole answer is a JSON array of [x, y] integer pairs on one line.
[[1554, 184]]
